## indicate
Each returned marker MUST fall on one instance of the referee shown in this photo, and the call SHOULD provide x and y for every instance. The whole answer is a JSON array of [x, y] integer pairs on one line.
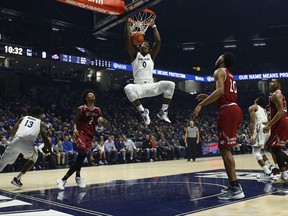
[[192, 139]]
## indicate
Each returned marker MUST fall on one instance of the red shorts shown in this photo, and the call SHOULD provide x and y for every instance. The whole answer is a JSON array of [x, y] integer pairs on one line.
[[229, 120], [84, 141], [279, 134]]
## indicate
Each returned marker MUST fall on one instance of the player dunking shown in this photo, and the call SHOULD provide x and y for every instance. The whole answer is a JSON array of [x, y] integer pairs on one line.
[[24, 133], [143, 65], [87, 116], [229, 119], [258, 117], [278, 124]]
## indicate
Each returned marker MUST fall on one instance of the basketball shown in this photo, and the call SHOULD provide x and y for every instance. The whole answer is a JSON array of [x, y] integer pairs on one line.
[[137, 38]]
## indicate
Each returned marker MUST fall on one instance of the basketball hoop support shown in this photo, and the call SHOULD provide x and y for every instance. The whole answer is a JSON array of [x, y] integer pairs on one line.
[[132, 8]]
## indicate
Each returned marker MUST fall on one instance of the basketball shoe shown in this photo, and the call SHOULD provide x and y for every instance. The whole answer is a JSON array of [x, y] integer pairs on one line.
[[232, 193], [163, 115], [16, 182], [61, 184], [270, 176], [225, 190], [80, 182], [280, 181], [145, 116]]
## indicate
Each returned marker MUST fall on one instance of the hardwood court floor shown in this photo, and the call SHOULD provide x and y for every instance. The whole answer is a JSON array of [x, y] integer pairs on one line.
[[206, 174]]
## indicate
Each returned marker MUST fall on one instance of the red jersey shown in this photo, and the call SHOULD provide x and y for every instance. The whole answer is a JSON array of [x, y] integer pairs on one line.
[[271, 108], [230, 90], [88, 120]]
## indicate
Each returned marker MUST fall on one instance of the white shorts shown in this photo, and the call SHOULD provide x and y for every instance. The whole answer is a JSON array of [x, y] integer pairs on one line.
[[261, 138], [138, 91], [17, 146]]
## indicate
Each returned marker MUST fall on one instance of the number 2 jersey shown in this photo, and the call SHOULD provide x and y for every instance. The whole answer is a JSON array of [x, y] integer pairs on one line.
[[88, 120], [29, 128]]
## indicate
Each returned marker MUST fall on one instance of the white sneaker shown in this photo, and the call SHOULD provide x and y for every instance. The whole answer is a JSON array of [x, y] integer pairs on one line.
[[280, 181], [80, 182], [163, 115], [145, 116], [265, 176], [61, 184]]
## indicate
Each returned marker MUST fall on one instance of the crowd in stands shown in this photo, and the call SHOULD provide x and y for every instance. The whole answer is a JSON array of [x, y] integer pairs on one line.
[[126, 138]]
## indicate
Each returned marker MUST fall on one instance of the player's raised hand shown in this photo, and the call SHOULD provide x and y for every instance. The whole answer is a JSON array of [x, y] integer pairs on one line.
[[75, 132], [196, 112], [267, 128], [102, 121], [201, 97], [152, 23]]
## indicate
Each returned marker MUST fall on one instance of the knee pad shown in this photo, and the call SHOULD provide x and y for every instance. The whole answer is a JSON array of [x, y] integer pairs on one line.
[[130, 93], [257, 154]]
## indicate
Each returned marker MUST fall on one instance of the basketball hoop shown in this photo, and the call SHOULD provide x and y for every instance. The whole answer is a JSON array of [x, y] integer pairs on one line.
[[140, 21]]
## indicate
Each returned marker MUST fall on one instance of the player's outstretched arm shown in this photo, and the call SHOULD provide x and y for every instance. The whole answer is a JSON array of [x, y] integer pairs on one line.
[[219, 76], [129, 45], [252, 109], [157, 41]]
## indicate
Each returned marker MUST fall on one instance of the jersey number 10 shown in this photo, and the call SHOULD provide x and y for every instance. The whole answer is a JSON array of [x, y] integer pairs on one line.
[[233, 86]]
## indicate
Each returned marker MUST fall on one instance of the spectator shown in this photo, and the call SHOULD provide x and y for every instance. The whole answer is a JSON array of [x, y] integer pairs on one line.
[[69, 151], [131, 149], [100, 151], [110, 149], [60, 154]]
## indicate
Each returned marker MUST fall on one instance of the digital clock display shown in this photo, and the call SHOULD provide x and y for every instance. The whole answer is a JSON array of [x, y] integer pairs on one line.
[[17, 50], [13, 50]]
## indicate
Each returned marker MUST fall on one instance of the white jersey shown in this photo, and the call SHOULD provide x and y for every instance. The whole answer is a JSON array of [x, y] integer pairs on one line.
[[29, 128], [143, 67], [261, 137], [260, 116]]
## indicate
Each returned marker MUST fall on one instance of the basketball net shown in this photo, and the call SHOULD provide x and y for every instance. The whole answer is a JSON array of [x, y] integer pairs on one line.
[[140, 21]]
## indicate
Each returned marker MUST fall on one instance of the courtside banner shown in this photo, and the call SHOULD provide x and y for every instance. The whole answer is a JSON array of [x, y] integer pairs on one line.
[[111, 7]]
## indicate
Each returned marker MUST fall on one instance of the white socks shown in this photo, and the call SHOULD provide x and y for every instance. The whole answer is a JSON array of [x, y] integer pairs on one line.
[[266, 169], [140, 108], [165, 107]]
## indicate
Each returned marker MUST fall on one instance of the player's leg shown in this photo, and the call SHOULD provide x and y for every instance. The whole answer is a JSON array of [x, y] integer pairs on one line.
[[227, 130], [10, 154], [259, 156], [133, 93], [281, 163], [28, 165], [262, 140], [167, 88], [76, 166], [80, 157]]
